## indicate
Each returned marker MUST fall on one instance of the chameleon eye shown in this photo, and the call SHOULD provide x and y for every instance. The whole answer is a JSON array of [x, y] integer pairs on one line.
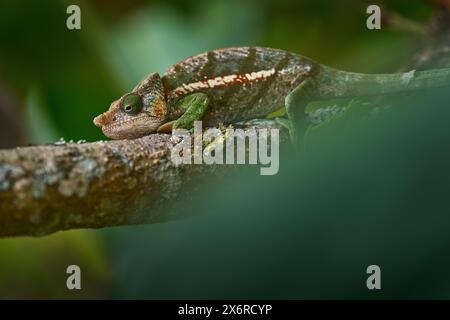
[[132, 104]]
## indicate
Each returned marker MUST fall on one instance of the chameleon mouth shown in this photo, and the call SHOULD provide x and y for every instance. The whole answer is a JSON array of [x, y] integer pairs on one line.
[[117, 124], [131, 128]]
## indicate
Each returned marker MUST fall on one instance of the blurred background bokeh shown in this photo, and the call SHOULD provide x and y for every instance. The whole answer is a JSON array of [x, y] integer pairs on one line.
[[53, 81]]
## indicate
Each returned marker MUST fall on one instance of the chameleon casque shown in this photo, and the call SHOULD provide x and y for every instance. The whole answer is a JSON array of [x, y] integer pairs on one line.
[[234, 84]]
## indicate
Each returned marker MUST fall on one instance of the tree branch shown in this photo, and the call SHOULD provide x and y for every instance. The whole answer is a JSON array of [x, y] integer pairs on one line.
[[48, 188]]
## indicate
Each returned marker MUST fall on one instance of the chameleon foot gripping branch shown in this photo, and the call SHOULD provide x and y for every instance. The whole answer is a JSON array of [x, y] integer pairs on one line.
[[242, 83]]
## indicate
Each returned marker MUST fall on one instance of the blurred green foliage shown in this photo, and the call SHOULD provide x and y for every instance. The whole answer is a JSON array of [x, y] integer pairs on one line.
[[305, 233], [366, 190]]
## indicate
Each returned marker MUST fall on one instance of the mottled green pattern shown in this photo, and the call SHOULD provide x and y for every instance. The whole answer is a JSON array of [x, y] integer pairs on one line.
[[195, 106]]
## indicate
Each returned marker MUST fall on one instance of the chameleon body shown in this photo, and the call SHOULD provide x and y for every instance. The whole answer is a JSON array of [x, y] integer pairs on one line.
[[236, 84], [241, 83]]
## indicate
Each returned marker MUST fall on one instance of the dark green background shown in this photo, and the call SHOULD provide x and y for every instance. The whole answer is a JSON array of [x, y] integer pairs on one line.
[[366, 190]]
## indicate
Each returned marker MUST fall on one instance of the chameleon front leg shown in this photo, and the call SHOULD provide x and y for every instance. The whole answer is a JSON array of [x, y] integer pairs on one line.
[[195, 105], [191, 107]]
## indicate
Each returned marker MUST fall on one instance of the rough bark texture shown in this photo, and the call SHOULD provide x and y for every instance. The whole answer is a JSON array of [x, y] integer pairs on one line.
[[63, 186]]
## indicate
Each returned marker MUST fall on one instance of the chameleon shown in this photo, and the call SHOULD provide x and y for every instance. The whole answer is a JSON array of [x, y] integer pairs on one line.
[[225, 86]]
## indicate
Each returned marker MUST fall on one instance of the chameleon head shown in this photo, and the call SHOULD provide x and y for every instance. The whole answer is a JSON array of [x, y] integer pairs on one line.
[[137, 113]]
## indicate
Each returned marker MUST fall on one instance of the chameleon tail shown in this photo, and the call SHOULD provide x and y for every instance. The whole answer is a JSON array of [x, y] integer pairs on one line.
[[332, 83], [328, 83]]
